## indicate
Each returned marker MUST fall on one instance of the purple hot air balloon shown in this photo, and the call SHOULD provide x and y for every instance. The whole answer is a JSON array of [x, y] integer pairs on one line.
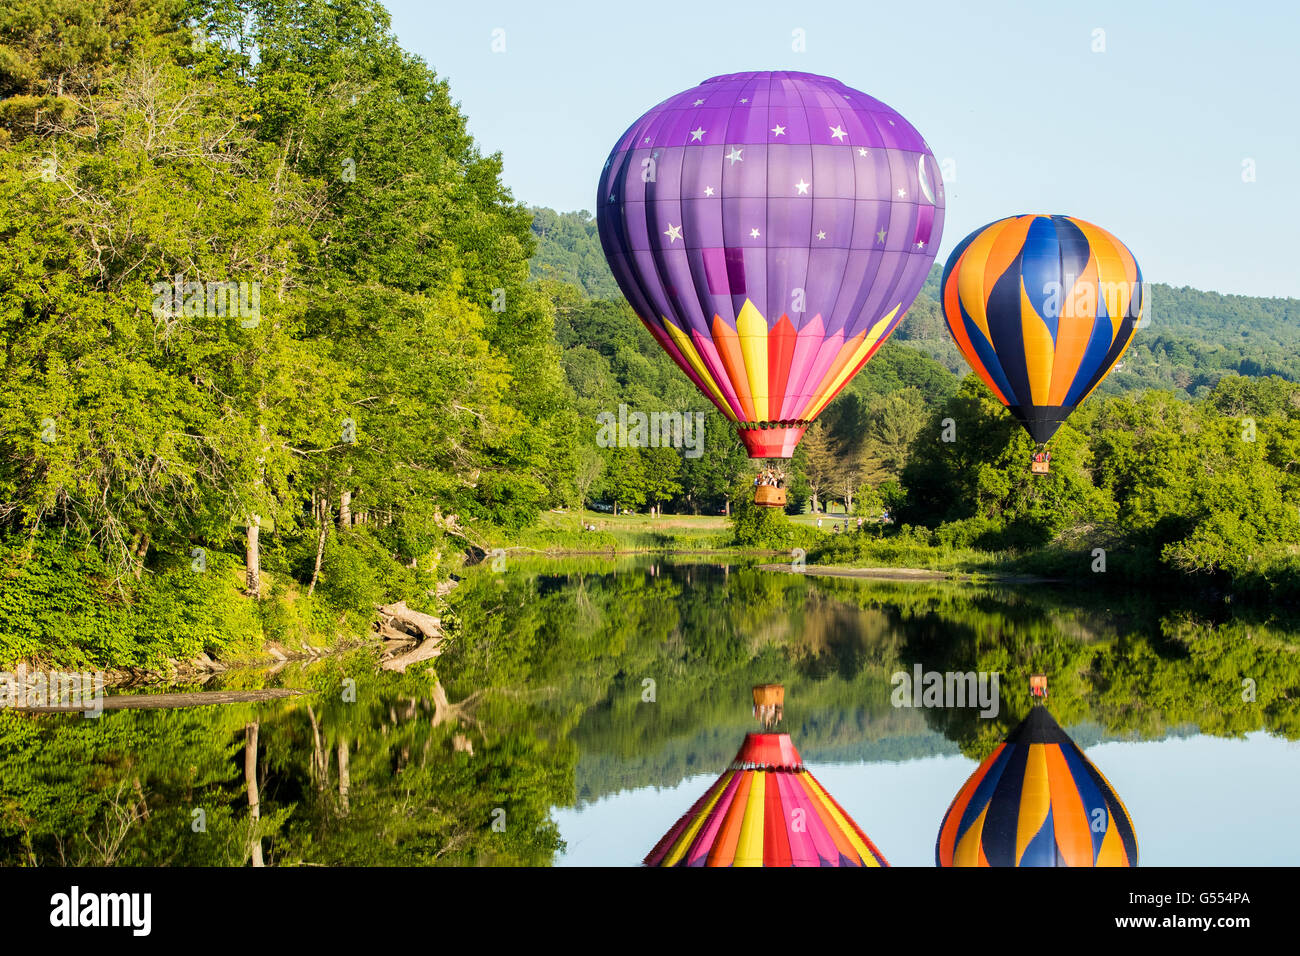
[[770, 229]]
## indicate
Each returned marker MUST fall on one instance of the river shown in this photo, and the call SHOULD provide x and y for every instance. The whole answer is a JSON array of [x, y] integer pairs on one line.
[[586, 703]]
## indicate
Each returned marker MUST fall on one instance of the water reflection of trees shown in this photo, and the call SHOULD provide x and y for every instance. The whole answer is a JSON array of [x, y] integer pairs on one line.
[[565, 683], [401, 776], [1127, 667]]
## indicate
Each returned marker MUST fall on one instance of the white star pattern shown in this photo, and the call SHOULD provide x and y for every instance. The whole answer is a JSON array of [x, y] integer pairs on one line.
[[647, 139], [821, 235], [696, 134], [902, 193], [778, 130], [744, 99], [891, 122], [837, 132], [708, 190], [673, 232], [862, 151], [753, 233], [698, 103], [802, 186], [920, 244], [881, 235], [735, 155]]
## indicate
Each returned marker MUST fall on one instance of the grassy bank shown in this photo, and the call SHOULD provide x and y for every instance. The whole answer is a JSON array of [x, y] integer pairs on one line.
[[62, 608], [563, 532], [1274, 577]]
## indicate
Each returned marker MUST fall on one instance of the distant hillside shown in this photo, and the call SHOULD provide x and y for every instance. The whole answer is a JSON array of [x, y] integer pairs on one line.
[[1193, 339], [568, 248]]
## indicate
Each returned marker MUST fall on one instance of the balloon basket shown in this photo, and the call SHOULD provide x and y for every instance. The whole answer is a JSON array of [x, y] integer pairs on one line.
[[772, 695], [769, 496], [1039, 467]]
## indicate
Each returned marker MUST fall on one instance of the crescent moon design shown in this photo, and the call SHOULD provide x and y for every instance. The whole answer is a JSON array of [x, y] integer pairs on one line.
[[925, 179]]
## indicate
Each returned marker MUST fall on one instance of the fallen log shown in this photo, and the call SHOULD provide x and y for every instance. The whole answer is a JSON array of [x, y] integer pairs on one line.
[[424, 651], [417, 623], [392, 635]]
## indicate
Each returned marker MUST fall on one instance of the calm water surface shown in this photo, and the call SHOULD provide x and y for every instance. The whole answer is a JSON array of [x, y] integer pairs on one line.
[[588, 703]]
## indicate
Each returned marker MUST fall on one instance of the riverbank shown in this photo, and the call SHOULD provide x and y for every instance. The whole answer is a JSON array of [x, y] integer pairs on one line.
[[183, 619], [910, 574]]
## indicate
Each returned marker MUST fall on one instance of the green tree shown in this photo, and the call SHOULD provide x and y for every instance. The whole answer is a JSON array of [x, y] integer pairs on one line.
[[627, 484]]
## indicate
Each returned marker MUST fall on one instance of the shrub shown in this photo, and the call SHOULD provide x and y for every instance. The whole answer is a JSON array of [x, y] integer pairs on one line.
[[179, 611]]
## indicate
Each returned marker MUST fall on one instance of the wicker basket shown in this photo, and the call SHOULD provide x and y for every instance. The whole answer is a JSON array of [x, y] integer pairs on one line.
[[769, 496]]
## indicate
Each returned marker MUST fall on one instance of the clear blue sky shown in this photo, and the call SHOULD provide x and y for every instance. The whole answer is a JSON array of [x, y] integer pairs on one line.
[[1146, 139]]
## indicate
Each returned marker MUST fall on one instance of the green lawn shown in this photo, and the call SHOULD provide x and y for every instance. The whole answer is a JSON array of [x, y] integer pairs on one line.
[[563, 531], [627, 532]]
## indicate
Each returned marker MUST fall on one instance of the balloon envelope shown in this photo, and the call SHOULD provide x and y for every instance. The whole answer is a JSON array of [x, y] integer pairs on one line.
[[770, 229], [1042, 307], [1036, 801]]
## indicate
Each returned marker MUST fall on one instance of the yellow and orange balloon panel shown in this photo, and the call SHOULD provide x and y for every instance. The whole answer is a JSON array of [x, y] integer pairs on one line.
[[1042, 307], [1037, 801]]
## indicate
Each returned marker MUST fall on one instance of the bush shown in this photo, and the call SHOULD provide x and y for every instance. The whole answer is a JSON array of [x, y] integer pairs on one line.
[[358, 574], [60, 606], [966, 533], [180, 611], [892, 495]]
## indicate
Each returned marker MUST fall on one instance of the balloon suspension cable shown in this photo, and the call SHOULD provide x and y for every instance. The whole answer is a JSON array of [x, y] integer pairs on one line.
[[769, 704]]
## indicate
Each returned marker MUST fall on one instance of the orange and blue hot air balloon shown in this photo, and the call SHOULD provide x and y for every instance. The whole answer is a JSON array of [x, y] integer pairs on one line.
[[1042, 307], [770, 230], [766, 810], [1036, 801]]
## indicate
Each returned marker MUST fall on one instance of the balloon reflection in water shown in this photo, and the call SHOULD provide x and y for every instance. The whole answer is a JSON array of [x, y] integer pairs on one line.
[[1036, 801], [766, 810]]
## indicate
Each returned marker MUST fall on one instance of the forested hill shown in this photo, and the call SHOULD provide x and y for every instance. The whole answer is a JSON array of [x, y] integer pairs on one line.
[[1194, 337], [568, 248]]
